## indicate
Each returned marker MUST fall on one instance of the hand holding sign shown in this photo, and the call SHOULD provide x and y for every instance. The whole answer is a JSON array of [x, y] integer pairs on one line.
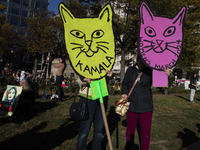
[[109, 73]]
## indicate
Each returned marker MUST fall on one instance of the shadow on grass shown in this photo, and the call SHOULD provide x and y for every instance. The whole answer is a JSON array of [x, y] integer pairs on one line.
[[182, 97], [113, 120], [188, 137], [198, 99], [132, 143], [198, 126], [34, 139], [19, 118]]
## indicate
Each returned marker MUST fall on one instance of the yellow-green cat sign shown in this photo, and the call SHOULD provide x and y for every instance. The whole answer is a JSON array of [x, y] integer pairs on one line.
[[89, 42]]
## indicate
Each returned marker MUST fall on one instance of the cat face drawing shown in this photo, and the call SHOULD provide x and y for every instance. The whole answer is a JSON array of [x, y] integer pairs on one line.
[[89, 42], [160, 38]]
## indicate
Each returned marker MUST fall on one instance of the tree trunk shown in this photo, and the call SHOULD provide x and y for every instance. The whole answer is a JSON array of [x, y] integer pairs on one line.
[[165, 91], [35, 67], [122, 74]]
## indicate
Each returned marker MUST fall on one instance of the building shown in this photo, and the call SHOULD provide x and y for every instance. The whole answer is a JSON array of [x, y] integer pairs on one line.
[[117, 65], [17, 10], [15, 13]]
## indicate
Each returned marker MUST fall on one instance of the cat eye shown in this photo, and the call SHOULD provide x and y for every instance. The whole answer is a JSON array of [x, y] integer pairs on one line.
[[169, 31], [150, 31], [97, 34], [77, 33]]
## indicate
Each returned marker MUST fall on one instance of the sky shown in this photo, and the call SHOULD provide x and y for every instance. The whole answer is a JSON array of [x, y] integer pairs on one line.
[[54, 5]]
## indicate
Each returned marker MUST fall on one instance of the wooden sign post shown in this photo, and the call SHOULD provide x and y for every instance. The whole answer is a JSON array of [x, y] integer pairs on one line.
[[99, 90]]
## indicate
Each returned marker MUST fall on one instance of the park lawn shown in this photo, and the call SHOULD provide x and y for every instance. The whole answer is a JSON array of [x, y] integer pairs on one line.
[[175, 124]]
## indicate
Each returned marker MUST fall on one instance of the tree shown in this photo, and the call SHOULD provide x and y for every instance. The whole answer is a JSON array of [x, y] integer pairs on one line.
[[78, 9], [191, 44], [57, 31], [9, 38], [39, 39]]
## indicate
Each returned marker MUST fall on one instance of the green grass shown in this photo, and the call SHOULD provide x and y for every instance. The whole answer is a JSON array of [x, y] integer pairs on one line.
[[176, 124]]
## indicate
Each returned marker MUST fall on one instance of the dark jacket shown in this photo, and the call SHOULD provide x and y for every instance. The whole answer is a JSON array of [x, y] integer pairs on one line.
[[25, 101], [193, 80], [141, 96]]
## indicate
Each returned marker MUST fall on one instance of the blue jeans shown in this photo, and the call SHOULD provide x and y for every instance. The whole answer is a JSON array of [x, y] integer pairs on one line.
[[59, 80], [95, 116], [192, 93]]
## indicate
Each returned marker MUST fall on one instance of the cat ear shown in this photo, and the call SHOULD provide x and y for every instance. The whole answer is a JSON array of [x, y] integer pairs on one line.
[[145, 14], [179, 18], [106, 13], [65, 14]]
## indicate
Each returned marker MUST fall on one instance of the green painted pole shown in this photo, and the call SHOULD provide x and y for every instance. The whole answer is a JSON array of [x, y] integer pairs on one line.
[[105, 118]]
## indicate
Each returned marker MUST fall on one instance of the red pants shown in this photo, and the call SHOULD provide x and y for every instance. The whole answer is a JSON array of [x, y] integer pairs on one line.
[[145, 128]]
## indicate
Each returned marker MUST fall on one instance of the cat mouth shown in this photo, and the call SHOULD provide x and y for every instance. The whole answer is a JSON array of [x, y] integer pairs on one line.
[[90, 53], [158, 50]]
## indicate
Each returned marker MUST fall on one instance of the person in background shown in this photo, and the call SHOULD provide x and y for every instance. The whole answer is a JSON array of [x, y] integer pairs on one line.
[[52, 77], [141, 107], [26, 99], [59, 77], [22, 75], [95, 114], [3, 75], [193, 86], [17, 76], [29, 78]]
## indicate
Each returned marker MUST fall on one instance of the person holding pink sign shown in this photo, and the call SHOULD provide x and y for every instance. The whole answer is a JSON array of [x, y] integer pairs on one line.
[[159, 50], [141, 106], [161, 41]]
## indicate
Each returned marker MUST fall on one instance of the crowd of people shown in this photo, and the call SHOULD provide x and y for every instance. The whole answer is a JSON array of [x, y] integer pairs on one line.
[[14, 77]]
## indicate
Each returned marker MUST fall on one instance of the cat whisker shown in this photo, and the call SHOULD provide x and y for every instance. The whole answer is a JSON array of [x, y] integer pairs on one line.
[[79, 54], [76, 48], [148, 50], [104, 47], [147, 46], [178, 41], [102, 50], [76, 44], [172, 52], [171, 42], [172, 47], [102, 42], [148, 41]]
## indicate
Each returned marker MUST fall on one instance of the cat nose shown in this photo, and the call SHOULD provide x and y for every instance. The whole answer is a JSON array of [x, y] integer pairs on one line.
[[159, 42], [159, 46], [88, 42]]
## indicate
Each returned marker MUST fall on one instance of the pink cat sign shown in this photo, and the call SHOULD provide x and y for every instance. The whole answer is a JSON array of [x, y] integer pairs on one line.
[[160, 42]]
